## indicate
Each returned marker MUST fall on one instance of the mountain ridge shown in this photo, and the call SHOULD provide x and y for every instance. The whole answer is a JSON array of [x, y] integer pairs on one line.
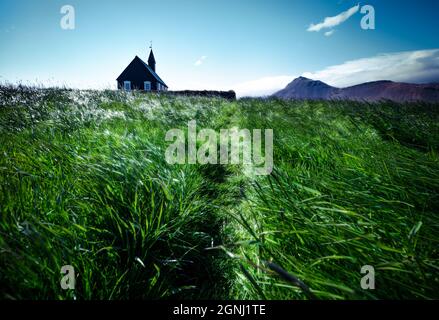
[[303, 88]]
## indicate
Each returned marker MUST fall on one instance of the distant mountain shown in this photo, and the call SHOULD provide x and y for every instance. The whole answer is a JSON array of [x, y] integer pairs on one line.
[[303, 88]]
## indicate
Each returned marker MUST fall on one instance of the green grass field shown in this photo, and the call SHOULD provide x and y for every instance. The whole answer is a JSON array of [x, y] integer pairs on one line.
[[84, 182]]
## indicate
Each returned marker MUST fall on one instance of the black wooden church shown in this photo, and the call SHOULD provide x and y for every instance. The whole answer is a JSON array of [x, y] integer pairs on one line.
[[141, 76]]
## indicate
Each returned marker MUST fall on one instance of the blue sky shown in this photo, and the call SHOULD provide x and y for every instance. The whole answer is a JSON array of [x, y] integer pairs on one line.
[[251, 46]]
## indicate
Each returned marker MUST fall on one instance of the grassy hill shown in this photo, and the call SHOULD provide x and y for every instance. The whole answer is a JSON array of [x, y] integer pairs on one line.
[[84, 182]]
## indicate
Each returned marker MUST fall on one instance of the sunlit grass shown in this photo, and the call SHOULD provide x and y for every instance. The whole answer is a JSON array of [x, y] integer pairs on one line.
[[84, 182]]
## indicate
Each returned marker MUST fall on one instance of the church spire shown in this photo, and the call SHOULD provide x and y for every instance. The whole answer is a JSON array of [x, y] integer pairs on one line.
[[151, 59]]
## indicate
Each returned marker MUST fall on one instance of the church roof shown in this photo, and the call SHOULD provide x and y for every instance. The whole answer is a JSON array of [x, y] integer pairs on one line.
[[155, 75]]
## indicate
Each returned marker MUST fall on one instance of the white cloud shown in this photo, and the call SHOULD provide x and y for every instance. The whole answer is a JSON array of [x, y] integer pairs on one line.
[[330, 22], [200, 61], [329, 33], [409, 66], [421, 66], [261, 87]]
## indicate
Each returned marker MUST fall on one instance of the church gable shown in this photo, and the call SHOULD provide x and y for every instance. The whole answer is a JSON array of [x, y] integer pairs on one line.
[[139, 75]]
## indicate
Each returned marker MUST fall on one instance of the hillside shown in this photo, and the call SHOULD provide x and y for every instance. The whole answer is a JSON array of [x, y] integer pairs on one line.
[[303, 88], [84, 182]]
